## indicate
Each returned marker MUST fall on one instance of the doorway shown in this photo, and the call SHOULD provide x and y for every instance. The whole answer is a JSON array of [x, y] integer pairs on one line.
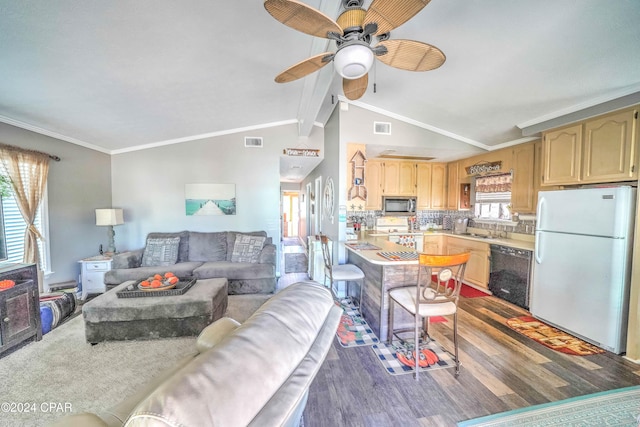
[[290, 213]]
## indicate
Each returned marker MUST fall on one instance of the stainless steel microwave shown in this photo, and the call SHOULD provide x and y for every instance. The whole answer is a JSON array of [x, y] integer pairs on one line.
[[393, 205]]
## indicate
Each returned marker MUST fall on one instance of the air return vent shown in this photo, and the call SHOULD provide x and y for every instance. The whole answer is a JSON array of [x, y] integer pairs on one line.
[[253, 141], [382, 128]]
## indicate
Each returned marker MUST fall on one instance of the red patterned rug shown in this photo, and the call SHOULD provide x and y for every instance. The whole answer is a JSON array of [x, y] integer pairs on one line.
[[469, 292], [551, 337]]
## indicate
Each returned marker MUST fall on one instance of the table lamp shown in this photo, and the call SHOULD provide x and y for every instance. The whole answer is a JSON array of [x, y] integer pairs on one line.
[[109, 218]]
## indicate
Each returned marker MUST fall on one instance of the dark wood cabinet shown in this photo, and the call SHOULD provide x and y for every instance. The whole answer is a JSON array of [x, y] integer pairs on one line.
[[19, 306]]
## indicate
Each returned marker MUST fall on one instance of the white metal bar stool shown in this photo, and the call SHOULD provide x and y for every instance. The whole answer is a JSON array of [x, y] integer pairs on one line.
[[431, 298], [340, 272]]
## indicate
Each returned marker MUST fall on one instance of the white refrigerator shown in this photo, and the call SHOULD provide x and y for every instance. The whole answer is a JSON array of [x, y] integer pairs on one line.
[[582, 267]]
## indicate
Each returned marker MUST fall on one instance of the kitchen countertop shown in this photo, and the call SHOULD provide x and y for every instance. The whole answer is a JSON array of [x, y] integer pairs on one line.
[[517, 241], [382, 242], [514, 240]]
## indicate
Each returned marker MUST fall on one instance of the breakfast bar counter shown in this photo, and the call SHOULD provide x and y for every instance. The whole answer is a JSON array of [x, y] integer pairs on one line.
[[381, 275]]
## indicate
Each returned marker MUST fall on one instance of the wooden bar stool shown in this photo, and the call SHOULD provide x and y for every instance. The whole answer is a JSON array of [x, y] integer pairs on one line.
[[431, 298]]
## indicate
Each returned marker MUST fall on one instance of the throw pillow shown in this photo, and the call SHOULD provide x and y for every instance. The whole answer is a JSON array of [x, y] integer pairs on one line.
[[160, 251], [247, 248]]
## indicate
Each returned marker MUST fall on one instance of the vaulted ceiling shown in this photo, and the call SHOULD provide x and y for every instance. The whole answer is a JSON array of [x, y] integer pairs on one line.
[[117, 76]]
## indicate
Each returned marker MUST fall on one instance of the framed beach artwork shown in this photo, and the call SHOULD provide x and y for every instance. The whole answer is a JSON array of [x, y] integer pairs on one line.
[[210, 199]]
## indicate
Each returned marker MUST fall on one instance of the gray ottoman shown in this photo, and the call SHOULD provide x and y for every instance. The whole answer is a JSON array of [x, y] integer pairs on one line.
[[109, 318]]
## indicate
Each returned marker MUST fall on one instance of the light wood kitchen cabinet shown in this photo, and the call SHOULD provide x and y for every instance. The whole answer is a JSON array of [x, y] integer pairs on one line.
[[438, 185], [522, 186], [399, 178], [373, 179], [477, 271], [433, 244], [603, 149], [562, 153], [610, 149], [423, 188], [453, 187], [430, 185]]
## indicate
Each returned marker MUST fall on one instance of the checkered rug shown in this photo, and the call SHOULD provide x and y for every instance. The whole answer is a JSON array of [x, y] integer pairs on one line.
[[388, 355], [353, 330]]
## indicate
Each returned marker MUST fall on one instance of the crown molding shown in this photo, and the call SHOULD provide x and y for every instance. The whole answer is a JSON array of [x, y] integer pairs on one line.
[[52, 134], [49, 133], [612, 101], [416, 123], [203, 136]]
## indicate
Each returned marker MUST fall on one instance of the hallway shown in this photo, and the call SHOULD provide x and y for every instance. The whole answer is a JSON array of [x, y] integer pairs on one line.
[[290, 245]]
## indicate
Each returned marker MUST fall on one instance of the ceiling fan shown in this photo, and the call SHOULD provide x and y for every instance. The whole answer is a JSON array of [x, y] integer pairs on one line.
[[353, 32]]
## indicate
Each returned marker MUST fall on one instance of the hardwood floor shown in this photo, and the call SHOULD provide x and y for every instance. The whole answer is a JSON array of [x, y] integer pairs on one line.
[[501, 370]]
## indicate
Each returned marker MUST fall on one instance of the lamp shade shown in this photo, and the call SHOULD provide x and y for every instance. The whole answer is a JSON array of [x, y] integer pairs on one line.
[[109, 217], [353, 62]]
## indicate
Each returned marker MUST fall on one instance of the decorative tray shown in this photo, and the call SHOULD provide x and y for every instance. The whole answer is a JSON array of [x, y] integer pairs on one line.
[[399, 256], [134, 291], [362, 246]]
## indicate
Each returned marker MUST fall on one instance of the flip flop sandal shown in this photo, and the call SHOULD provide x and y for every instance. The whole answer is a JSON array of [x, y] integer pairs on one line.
[[406, 358], [429, 356], [424, 361]]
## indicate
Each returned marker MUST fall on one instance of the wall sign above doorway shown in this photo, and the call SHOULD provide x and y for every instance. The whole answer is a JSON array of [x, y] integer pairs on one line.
[[301, 152]]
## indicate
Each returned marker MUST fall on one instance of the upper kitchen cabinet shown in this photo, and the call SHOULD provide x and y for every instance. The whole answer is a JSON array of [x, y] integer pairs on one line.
[[453, 187], [373, 180], [610, 148], [399, 178], [438, 185], [430, 185], [523, 193], [562, 151], [603, 149]]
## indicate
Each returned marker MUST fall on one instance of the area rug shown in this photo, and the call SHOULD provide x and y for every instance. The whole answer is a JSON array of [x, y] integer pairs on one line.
[[396, 357], [608, 408], [552, 337], [465, 291], [353, 330], [64, 368], [291, 241], [295, 263], [469, 292]]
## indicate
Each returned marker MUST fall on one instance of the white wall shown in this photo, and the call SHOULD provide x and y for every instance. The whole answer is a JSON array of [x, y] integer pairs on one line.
[[150, 184]]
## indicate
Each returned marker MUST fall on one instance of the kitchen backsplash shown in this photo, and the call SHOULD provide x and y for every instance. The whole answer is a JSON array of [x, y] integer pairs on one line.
[[439, 218]]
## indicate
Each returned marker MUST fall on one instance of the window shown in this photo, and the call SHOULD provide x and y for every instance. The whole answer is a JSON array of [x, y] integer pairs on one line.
[[14, 228], [493, 197]]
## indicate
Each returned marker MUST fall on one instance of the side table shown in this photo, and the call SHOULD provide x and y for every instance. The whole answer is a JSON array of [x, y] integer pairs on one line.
[[92, 274]]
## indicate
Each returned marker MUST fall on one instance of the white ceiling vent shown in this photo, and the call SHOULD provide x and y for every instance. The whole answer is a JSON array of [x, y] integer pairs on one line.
[[382, 128], [253, 141]]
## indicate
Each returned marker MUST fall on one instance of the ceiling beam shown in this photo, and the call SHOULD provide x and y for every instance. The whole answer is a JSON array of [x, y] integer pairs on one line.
[[317, 85]]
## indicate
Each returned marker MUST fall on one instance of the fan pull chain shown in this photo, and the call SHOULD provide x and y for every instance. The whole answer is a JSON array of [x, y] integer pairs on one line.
[[375, 76]]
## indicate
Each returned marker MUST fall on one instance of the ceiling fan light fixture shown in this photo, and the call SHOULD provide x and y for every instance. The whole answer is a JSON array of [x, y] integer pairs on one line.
[[354, 61]]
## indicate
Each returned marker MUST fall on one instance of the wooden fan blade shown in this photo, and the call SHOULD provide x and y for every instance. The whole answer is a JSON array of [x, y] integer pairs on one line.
[[411, 55], [390, 14], [301, 17], [303, 68], [355, 88]]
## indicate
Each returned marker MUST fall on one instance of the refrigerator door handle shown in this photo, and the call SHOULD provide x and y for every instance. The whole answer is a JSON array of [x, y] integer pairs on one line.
[[538, 248], [540, 213]]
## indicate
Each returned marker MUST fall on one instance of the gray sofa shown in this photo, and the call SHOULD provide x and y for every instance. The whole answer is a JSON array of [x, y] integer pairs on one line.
[[248, 268], [256, 373]]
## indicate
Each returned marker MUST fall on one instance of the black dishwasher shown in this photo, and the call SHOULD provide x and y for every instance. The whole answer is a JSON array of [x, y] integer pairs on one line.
[[510, 274]]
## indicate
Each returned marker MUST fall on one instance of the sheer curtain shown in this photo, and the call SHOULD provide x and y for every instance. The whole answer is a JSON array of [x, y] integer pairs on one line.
[[28, 171]]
